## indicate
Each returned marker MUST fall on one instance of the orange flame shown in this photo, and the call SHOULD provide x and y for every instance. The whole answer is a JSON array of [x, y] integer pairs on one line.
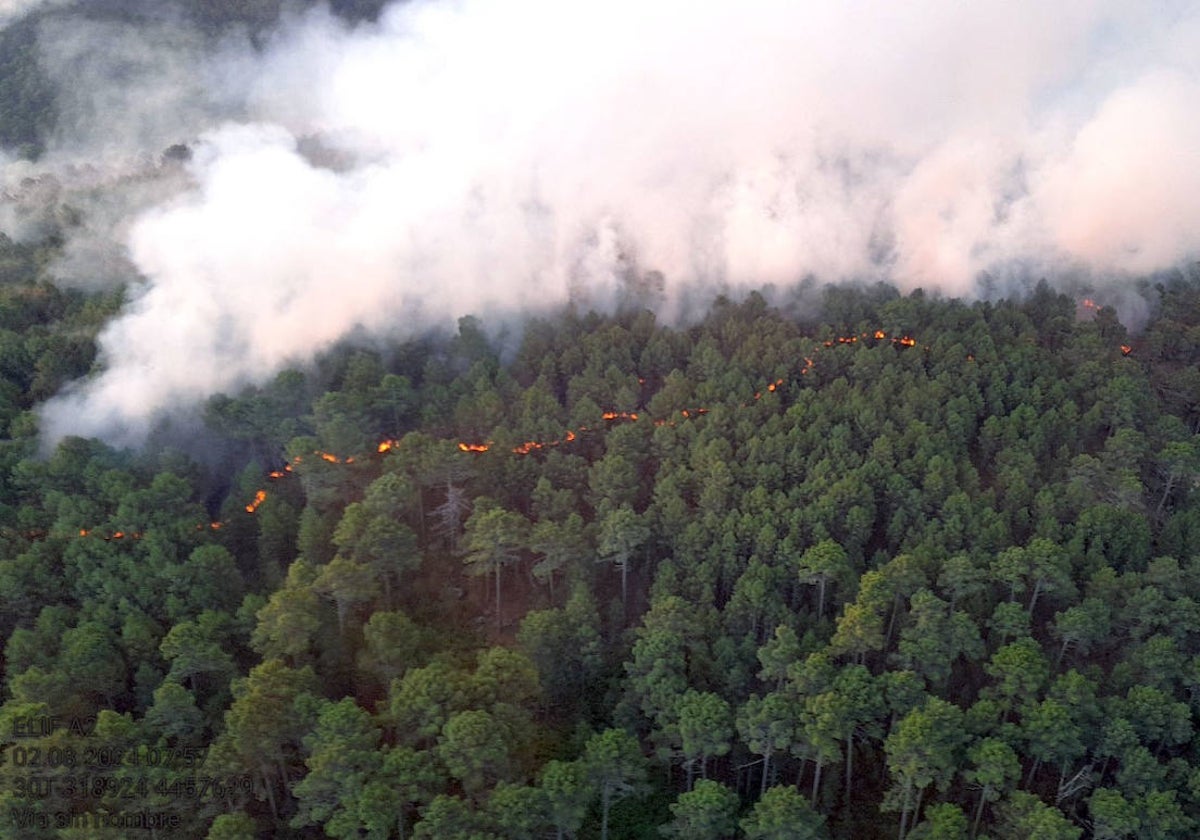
[[568, 436], [259, 498], [1126, 349]]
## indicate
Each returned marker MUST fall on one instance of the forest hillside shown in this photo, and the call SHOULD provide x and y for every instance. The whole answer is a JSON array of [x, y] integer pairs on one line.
[[911, 567]]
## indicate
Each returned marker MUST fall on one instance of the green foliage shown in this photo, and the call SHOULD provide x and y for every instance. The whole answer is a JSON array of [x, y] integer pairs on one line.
[[567, 793], [1023, 815], [943, 821], [955, 580], [782, 813], [707, 812], [705, 727], [342, 756], [615, 768], [494, 539], [565, 646], [239, 826], [923, 750]]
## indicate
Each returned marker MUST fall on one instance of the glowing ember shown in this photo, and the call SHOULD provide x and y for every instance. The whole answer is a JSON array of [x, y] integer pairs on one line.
[[83, 532], [880, 334], [1126, 349], [771, 387], [259, 498]]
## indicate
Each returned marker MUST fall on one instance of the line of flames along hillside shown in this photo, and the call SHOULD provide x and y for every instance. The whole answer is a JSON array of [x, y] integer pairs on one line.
[[531, 446]]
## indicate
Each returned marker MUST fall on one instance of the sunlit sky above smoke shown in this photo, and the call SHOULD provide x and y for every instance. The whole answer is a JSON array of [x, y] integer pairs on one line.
[[490, 158]]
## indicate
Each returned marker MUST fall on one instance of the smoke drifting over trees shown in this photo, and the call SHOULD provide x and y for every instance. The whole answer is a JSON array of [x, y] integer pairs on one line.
[[476, 157]]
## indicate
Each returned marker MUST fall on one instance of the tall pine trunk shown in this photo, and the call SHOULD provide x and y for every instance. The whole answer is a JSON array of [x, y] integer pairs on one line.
[[605, 803], [849, 765], [624, 582], [904, 808], [497, 597], [978, 811]]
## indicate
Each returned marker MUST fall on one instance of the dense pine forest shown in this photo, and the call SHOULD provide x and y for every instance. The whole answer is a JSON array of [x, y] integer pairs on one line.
[[835, 562], [883, 565]]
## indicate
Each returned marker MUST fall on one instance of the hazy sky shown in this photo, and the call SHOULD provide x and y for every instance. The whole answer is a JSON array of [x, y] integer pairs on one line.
[[490, 158]]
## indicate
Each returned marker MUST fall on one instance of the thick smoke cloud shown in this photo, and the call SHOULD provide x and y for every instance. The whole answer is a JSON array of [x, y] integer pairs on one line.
[[493, 158], [10, 10]]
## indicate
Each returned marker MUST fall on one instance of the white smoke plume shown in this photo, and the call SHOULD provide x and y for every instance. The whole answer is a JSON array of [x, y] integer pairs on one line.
[[474, 157], [10, 10]]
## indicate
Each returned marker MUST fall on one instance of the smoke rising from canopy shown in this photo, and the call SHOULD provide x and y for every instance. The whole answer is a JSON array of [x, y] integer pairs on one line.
[[489, 158]]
